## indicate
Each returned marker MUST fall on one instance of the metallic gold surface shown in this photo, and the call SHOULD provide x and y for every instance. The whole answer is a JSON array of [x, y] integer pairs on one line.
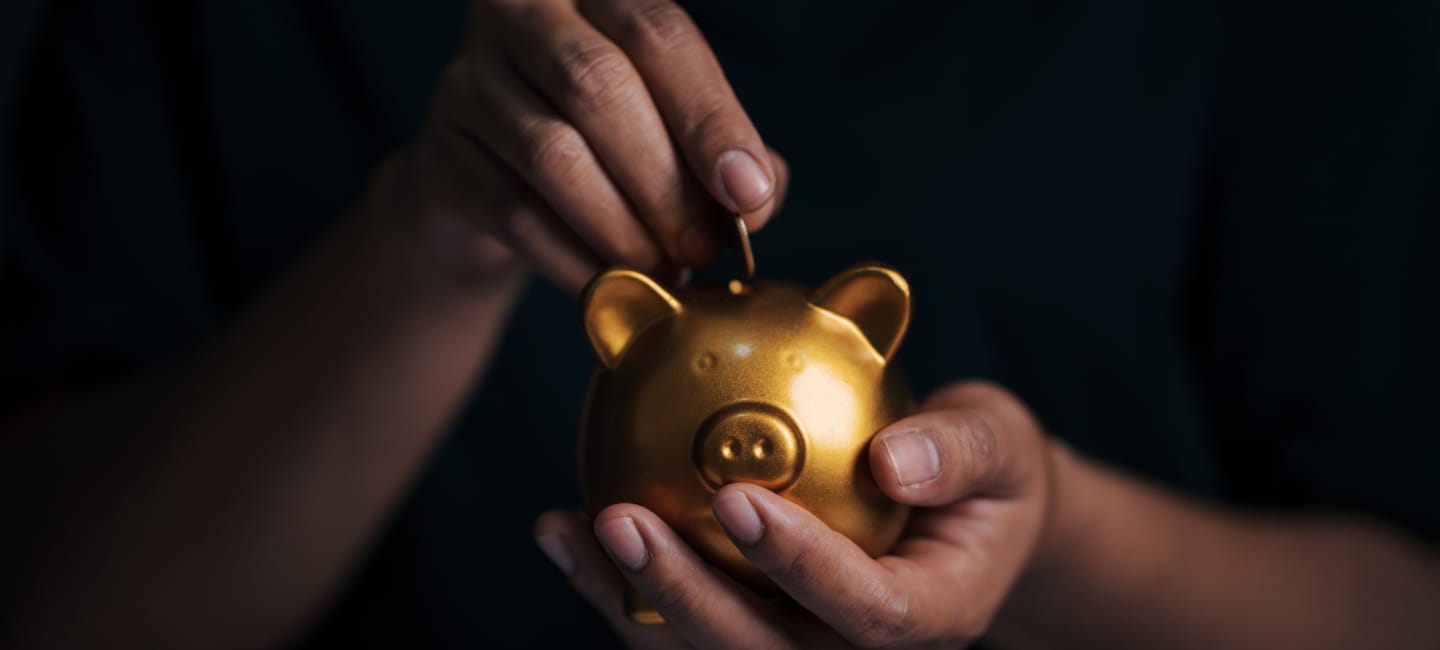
[[748, 442], [760, 382]]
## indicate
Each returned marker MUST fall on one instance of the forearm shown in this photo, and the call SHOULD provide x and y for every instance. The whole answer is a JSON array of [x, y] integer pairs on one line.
[[220, 501], [1127, 565]]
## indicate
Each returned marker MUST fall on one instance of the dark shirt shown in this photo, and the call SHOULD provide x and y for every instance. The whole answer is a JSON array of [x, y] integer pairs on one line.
[[1199, 239]]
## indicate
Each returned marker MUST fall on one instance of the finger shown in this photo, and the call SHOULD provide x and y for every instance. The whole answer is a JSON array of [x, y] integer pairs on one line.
[[712, 233], [782, 188], [520, 128], [566, 539], [870, 602], [976, 441], [697, 103], [593, 84], [479, 188], [1001, 404], [702, 607]]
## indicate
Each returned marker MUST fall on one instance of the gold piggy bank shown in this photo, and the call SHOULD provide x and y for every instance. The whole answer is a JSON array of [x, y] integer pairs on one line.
[[762, 382]]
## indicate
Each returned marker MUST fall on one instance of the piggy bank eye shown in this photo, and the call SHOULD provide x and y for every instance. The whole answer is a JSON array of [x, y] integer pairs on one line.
[[705, 361]]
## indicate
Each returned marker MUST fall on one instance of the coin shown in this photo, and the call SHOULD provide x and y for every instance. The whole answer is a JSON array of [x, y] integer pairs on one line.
[[747, 255]]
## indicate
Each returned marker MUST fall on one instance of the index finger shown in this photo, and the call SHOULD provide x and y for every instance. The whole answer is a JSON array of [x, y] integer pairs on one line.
[[567, 540], [699, 604], [695, 100], [892, 600]]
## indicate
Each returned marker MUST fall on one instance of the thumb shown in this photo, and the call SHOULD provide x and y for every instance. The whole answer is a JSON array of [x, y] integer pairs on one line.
[[756, 220], [977, 441]]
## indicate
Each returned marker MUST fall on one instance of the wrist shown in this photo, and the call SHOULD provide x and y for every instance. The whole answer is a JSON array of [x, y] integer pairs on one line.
[[1071, 513], [1110, 543], [1069, 538], [441, 241]]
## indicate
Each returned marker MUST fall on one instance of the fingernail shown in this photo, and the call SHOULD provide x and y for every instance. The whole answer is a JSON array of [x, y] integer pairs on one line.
[[558, 550], [744, 180], [913, 456], [737, 514], [622, 540]]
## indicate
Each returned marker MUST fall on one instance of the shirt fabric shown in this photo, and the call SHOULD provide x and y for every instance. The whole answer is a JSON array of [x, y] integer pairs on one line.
[[1198, 239]]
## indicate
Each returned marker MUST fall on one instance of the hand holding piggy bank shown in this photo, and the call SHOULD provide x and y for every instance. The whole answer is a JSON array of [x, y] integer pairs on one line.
[[762, 383]]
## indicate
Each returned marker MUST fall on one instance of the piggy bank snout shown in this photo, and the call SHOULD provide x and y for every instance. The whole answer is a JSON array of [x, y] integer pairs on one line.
[[749, 442]]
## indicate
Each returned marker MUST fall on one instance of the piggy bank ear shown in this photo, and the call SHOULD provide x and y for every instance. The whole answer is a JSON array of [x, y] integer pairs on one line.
[[617, 305], [875, 297]]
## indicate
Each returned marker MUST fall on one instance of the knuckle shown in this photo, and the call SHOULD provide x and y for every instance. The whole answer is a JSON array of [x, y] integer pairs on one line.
[[886, 621], [975, 442], [637, 252], [715, 125], [551, 147], [709, 119], [968, 391], [596, 74], [673, 596], [991, 398], [795, 571], [658, 25]]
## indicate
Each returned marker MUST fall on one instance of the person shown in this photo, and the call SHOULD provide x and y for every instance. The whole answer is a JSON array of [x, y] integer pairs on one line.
[[1195, 239]]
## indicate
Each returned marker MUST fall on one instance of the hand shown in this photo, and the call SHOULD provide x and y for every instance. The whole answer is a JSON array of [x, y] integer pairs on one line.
[[576, 135], [973, 460]]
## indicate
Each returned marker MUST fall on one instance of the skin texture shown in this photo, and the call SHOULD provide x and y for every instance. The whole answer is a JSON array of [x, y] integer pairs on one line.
[[596, 133], [1018, 540], [224, 499]]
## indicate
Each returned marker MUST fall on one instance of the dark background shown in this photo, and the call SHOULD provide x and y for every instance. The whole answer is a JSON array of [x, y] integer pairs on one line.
[[1198, 238]]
